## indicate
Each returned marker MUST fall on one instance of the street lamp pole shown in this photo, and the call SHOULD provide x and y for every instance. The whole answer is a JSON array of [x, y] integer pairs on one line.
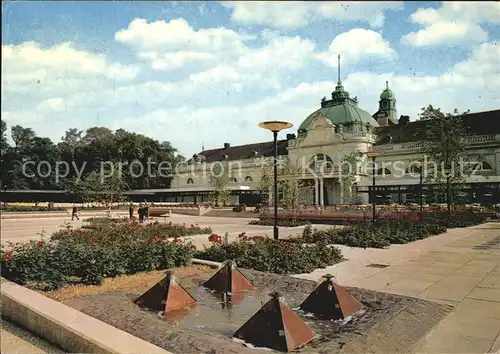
[[275, 127], [373, 155]]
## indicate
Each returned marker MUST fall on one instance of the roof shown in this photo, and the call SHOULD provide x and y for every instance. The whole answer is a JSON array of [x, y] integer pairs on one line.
[[248, 151], [480, 123], [340, 114]]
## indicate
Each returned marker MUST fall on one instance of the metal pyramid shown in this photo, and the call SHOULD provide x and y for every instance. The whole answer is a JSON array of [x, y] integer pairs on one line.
[[331, 300], [167, 295], [229, 279], [276, 326]]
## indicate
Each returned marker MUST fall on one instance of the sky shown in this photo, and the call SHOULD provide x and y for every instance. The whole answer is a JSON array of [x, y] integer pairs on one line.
[[206, 73]]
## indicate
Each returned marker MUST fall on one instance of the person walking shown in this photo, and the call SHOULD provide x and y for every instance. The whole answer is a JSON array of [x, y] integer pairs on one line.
[[140, 211], [74, 214], [131, 210]]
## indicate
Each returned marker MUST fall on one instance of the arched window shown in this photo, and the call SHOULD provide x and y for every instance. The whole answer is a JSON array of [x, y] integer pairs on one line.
[[486, 166], [234, 180], [248, 179], [190, 181], [320, 161], [414, 169], [383, 171]]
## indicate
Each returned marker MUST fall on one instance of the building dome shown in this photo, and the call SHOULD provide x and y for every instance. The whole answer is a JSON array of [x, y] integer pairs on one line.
[[340, 114], [387, 94]]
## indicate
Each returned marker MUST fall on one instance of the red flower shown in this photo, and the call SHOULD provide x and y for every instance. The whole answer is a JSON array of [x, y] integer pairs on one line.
[[7, 255], [242, 235], [214, 238]]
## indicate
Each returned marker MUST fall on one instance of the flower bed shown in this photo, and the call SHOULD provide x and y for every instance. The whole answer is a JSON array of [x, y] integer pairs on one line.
[[281, 222], [89, 255], [19, 208], [268, 255], [383, 233], [105, 230]]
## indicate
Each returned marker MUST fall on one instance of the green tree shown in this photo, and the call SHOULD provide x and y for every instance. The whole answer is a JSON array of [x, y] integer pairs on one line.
[[294, 192], [219, 182], [105, 188], [444, 142], [349, 167], [71, 140]]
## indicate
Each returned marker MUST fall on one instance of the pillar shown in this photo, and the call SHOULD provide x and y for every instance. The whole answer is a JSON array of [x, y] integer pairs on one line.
[[316, 192], [321, 192]]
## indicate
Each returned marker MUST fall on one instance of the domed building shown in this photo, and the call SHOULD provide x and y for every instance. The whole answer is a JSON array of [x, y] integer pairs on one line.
[[339, 128]]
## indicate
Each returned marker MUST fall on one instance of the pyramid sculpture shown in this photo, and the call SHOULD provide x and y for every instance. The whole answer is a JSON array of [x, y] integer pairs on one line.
[[276, 326], [229, 279], [330, 300], [167, 295]]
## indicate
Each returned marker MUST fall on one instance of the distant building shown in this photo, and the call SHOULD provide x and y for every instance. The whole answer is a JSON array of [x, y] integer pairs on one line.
[[337, 128]]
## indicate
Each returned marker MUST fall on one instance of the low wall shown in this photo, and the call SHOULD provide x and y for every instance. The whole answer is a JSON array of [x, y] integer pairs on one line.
[[65, 327], [162, 211]]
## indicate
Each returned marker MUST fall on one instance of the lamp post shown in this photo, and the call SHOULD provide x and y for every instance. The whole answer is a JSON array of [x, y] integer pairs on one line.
[[373, 155], [275, 127]]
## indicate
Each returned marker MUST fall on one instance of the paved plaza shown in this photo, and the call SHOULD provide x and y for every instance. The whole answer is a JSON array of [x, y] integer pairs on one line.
[[460, 268]]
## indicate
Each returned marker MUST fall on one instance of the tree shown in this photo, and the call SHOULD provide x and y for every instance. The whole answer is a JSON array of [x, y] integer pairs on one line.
[[4, 145], [294, 191], [219, 182], [71, 140], [444, 142], [349, 166], [102, 189]]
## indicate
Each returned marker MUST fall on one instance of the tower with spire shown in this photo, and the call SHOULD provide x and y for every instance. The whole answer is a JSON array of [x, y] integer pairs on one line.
[[339, 95], [387, 113]]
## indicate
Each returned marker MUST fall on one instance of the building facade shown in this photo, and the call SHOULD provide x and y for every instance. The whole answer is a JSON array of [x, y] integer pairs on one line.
[[336, 129]]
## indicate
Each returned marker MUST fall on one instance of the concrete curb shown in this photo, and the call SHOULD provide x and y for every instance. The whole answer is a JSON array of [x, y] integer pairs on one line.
[[65, 327], [211, 264]]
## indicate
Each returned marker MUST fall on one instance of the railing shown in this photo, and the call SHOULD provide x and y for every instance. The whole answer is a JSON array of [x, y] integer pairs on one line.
[[476, 139]]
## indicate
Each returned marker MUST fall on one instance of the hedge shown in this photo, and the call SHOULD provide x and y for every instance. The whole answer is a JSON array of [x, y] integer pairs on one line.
[[89, 256], [269, 255]]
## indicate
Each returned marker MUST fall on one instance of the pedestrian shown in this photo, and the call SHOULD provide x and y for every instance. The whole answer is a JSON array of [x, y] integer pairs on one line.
[[131, 211], [140, 211], [74, 214]]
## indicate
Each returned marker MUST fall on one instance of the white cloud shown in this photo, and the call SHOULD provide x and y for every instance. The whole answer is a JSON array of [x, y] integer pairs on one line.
[[27, 61], [29, 68], [297, 14], [356, 44], [453, 23], [171, 45]]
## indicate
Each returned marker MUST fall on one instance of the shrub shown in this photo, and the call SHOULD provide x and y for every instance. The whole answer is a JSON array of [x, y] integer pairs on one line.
[[88, 256], [455, 220], [17, 208], [109, 232], [273, 256], [375, 235]]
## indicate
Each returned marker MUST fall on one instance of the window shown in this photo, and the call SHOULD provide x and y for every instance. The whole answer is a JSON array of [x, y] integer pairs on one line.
[[486, 166], [383, 171], [248, 179], [234, 180], [321, 160], [190, 181], [415, 169]]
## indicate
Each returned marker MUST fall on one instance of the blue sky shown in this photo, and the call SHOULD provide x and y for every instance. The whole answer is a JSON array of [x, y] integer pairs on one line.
[[193, 72]]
